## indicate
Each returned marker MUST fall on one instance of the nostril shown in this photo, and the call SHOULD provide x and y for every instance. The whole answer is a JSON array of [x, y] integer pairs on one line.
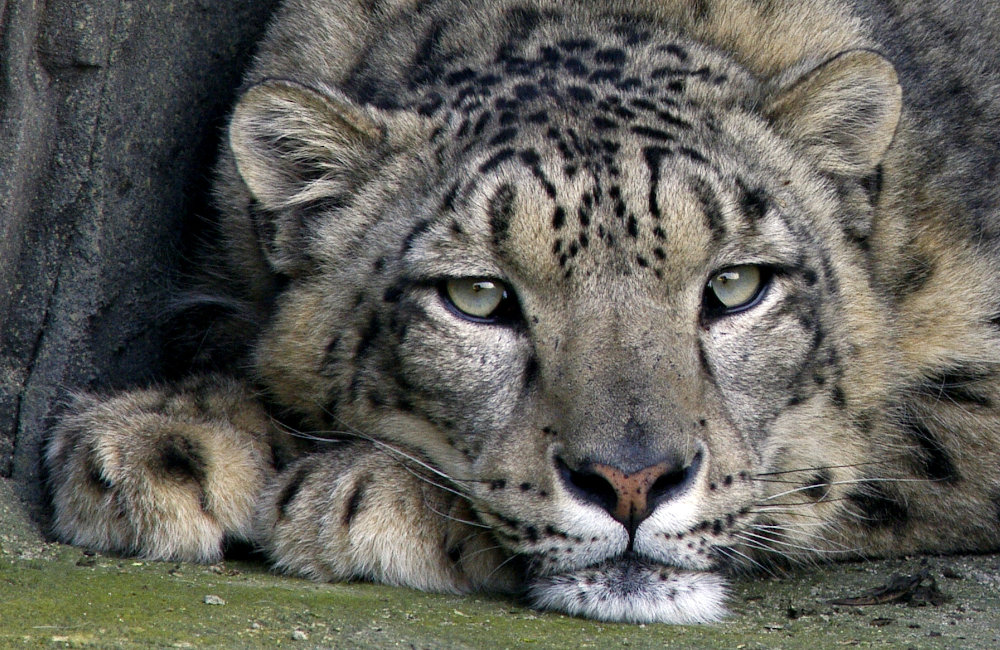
[[589, 486], [674, 481], [629, 497]]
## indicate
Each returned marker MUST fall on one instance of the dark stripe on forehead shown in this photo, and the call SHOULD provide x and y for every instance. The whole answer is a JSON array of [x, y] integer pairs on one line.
[[500, 212], [710, 207], [654, 159], [531, 158], [448, 201], [422, 226], [754, 203], [653, 134]]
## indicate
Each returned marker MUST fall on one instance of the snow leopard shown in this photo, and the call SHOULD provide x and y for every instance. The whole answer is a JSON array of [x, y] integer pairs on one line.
[[597, 303]]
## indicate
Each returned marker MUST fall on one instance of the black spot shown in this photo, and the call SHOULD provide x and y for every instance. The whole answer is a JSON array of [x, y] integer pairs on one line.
[[394, 293], [496, 160], [530, 157], [955, 385], [455, 553], [818, 486], [525, 487], [677, 51], [180, 457], [526, 92], [504, 104], [503, 137], [538, 117], [653, 134], [610, 56], [837, 397], [932, 458], [633, 226], [531, 533], [754, 204], [576, 67], [576, 44], [94, 473], [605, 75], [603, 123], [878, 507], [693, 154], [354, 502], [531, 372], [580, 94], [368, 336], [498, 484], [431, 105], [668, 71], [290, 491], [460, 76]]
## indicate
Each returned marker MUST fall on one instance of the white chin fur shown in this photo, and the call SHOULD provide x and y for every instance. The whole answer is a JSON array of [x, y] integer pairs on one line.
[[633, 591]]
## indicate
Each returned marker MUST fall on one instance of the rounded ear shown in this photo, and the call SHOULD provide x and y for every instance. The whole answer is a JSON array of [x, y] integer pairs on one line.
[[843, 113], [300, 151], [293, 144]]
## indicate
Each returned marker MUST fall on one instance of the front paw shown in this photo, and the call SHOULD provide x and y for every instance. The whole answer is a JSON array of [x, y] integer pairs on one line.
[[359, 513], [159, 474]]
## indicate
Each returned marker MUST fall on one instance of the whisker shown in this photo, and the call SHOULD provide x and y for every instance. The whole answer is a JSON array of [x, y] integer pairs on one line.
[[459, 520], [820, 468], [779, 542], [730, 552], [863, 481], [499, 566], [429, 481]]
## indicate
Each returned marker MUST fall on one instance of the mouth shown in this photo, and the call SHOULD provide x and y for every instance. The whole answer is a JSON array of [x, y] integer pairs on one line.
[[634, 590]]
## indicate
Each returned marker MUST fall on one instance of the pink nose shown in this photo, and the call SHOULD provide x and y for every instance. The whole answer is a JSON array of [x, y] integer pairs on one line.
[[632, 490]]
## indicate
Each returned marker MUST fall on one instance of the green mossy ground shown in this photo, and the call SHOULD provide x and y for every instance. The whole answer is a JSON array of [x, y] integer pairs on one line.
[[58, 596]]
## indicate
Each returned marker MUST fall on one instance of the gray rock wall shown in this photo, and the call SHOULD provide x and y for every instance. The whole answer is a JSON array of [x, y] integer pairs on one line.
[[110, 113]]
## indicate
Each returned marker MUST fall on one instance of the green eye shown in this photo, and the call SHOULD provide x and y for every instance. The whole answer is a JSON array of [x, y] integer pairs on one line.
[[737, 286], [478, 298]]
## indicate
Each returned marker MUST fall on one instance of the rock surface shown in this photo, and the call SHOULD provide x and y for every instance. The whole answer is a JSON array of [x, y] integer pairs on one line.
[[110, 112]]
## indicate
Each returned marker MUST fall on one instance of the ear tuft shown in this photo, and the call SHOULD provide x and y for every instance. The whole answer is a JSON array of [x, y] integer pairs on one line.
[[843, 113]]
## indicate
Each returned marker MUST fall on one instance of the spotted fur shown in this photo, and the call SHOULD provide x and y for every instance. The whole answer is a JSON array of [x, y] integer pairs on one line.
[[612, 440]]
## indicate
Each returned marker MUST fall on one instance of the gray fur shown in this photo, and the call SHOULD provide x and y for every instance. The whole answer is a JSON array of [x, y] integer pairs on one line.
[[613, 440]]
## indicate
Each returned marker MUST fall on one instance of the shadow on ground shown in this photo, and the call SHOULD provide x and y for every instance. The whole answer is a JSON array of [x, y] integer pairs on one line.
[[58, 596]]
